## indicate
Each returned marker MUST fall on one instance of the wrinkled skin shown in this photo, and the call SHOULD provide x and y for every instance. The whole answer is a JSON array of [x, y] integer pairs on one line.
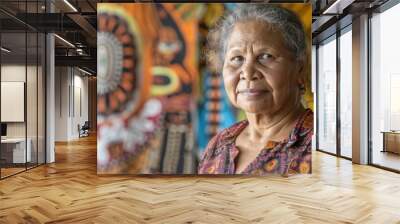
[[260, 74]]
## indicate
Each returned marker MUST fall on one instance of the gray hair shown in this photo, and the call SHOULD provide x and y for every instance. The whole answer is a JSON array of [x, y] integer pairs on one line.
[[280, 18]]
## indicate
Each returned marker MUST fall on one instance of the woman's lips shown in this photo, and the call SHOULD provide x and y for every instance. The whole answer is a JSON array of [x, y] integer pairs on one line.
[[252, 92]]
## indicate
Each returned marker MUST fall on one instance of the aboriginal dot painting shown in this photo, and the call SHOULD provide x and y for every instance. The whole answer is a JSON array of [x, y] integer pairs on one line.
[[118, 63], [158, 102], [127, 116]]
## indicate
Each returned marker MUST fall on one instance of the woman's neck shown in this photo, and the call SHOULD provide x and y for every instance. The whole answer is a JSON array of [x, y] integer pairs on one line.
[[277, 126]]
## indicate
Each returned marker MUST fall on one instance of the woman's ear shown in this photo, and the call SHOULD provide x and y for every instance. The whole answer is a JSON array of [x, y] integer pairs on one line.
[[300, 67], [301, 80], [302, 85]]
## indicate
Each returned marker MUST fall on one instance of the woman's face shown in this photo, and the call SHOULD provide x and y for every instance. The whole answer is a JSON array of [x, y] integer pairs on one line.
[[260, 74]]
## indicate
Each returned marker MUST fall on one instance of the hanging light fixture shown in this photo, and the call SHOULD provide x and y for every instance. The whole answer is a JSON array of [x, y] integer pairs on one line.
[[5, 50]]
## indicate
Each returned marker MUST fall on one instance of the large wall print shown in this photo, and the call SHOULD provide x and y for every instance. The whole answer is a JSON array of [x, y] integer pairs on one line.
[[163, 105]]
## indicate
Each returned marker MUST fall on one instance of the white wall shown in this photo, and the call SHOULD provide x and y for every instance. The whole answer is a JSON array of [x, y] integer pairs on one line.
[[80, 115], [13, 73], [70, 84], [61, 103]]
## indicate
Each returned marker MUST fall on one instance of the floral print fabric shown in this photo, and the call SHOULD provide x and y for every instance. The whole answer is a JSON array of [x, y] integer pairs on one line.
[[290, 156]]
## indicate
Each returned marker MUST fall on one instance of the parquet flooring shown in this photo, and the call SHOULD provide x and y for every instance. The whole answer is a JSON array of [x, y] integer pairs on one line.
[[10, 171], [69, 191]]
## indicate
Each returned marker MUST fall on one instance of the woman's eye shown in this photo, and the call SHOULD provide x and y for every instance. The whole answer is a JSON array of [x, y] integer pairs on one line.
[[265, 57], [237, 59]]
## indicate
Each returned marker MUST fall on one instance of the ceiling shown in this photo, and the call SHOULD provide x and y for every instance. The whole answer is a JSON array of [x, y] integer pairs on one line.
[[331, 15], [77, 25]]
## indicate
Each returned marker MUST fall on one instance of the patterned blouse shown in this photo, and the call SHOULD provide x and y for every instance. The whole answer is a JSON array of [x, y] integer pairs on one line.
[[290, 156]]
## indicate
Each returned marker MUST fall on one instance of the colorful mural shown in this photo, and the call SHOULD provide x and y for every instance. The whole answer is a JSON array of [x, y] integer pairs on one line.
[[158, 102], [214, 109], [146, 89], [127, 118]]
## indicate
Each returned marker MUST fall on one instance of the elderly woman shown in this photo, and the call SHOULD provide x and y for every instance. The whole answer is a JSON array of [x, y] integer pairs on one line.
[[262, 52]]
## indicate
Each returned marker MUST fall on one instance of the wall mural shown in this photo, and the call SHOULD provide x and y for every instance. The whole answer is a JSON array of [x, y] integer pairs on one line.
[[159, 104]]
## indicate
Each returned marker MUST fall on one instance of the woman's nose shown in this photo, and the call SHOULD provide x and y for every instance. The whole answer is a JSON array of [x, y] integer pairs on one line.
[[249, 72]]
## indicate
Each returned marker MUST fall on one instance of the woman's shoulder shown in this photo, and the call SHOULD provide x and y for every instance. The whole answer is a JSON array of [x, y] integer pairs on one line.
[[229, 133], [224, 137], [234, 129], [306, 124], [308, 121], [303, 132], [218, 145]]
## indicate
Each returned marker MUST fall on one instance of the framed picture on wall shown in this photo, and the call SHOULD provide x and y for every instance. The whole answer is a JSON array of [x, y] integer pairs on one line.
[[12, 101]]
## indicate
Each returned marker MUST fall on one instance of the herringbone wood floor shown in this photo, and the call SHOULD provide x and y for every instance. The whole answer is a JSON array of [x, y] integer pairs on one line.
[[69, 191]]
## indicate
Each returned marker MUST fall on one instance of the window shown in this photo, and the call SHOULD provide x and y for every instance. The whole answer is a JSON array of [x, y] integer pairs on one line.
[[22, 75], [346, 92], [385, 89], [327, 95]]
